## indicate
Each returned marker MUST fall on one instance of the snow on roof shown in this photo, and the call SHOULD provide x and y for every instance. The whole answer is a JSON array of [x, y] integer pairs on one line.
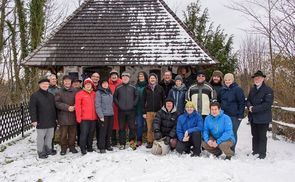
[[120, 32]]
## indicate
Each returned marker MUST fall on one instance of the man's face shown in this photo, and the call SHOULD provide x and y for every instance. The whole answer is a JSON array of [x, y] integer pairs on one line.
[[258, 80], [201, 78], [215, 111], [125, 79], [189, 109], [114, 77], [216, 79], [178, 83], [169, 106], [52, 80], [76, 84], [95, 78], [152, 80], [167, 76], [67, 83], [44, 86]]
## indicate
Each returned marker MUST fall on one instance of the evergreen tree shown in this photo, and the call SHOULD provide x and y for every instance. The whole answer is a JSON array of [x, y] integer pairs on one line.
[[217, 42]]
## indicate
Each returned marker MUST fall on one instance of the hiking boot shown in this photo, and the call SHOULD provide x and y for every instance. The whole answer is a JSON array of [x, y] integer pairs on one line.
[[122, 147], [132, 145], [149, 145], [102, 151], [110, 149], [73, 150], [51, 152], [195, 155], [42, 155], [139, 143], [83, 151], [218, 154], [227, 158], [63, 152], [261, 156], [90, 150]]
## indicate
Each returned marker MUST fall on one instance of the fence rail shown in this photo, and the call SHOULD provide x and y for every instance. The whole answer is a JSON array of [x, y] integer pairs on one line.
[[14, 120]]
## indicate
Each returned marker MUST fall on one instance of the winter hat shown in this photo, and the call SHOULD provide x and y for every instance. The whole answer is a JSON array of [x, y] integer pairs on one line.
[[114, 72], [88, 80], [259, 73], [126, 74], [217, 73], [77, 80], [200, 72], [178, 77], [229, 76], [43, 80], [153, 74], [190, 104]]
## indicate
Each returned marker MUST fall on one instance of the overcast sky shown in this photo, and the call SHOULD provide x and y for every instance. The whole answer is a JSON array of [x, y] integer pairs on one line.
[[230, 20]]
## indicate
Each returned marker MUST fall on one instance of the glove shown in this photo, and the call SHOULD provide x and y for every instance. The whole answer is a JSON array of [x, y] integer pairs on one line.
[[157, 135], [167, 140]]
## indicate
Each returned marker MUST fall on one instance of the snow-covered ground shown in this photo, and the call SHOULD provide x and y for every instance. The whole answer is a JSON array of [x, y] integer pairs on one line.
[[19, 163]]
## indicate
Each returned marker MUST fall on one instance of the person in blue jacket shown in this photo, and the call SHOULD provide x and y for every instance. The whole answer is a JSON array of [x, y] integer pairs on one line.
[[232, 101], [188, 129], [177, 93], [218, 132]]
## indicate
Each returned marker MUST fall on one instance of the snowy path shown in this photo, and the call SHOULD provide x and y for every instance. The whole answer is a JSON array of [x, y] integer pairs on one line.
[[19, 163]]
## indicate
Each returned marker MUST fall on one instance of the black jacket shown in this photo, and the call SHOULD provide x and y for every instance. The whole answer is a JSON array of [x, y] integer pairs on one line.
[[126, 97], [153, 100], [261, 100], [42, 109], [65, 98], [165, 123], [167, 86]]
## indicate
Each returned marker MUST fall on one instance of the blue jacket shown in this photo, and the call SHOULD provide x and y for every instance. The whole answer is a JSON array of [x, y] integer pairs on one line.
[[232, 100], [261, 99], [178, 95], [190, 123], [220, 128]]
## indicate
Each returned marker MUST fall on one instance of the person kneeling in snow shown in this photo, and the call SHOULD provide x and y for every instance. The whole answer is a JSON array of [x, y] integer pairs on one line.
[[188, 129], [164, 128], [218, 132]]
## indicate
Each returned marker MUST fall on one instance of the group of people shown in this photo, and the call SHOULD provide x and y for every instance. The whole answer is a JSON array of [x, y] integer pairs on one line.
[[167, 114]]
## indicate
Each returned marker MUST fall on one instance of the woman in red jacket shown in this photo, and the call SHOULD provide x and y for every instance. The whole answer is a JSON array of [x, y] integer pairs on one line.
[[114, 81], [86, 115]]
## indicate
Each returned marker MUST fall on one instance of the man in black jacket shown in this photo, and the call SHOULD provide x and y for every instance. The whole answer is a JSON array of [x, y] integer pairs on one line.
[[259, 104], [153, 99], [165, 123], [126, 98], [43, 116], [167, 83]]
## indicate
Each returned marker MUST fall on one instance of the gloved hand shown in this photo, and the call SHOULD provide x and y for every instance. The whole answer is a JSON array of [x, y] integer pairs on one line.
[[157, 135], [167, 140]]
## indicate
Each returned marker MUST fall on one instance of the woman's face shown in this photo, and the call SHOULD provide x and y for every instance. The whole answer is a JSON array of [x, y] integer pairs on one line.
[[153, 80], [105, 85], [189, 109], [141, 77], [88, 86], [228, 82]]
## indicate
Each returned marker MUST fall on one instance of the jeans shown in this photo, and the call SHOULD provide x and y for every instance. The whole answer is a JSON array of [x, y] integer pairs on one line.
[[236, 124], [140, 126]]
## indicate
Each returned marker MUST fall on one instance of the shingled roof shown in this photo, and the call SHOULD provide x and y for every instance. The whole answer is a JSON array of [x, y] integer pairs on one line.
[[120, 32]]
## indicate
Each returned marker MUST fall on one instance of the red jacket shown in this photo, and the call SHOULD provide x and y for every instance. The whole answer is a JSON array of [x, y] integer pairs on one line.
[[113, 87], [85, 106]]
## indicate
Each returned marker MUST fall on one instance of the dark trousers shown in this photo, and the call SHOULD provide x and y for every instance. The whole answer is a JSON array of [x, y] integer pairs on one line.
[[236, 124], [194, 140], [259, 139], [87, 129], [105, 132], [114, 137], [67, 136], [52, 143], [78, 134], [97, 128], [124, 118]]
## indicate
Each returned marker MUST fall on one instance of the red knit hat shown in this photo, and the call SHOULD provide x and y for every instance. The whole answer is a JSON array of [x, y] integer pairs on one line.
[[88, 80]]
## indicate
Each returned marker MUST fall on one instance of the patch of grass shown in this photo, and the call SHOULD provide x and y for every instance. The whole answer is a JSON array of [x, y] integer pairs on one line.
[[8, 161], [39, 180]]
